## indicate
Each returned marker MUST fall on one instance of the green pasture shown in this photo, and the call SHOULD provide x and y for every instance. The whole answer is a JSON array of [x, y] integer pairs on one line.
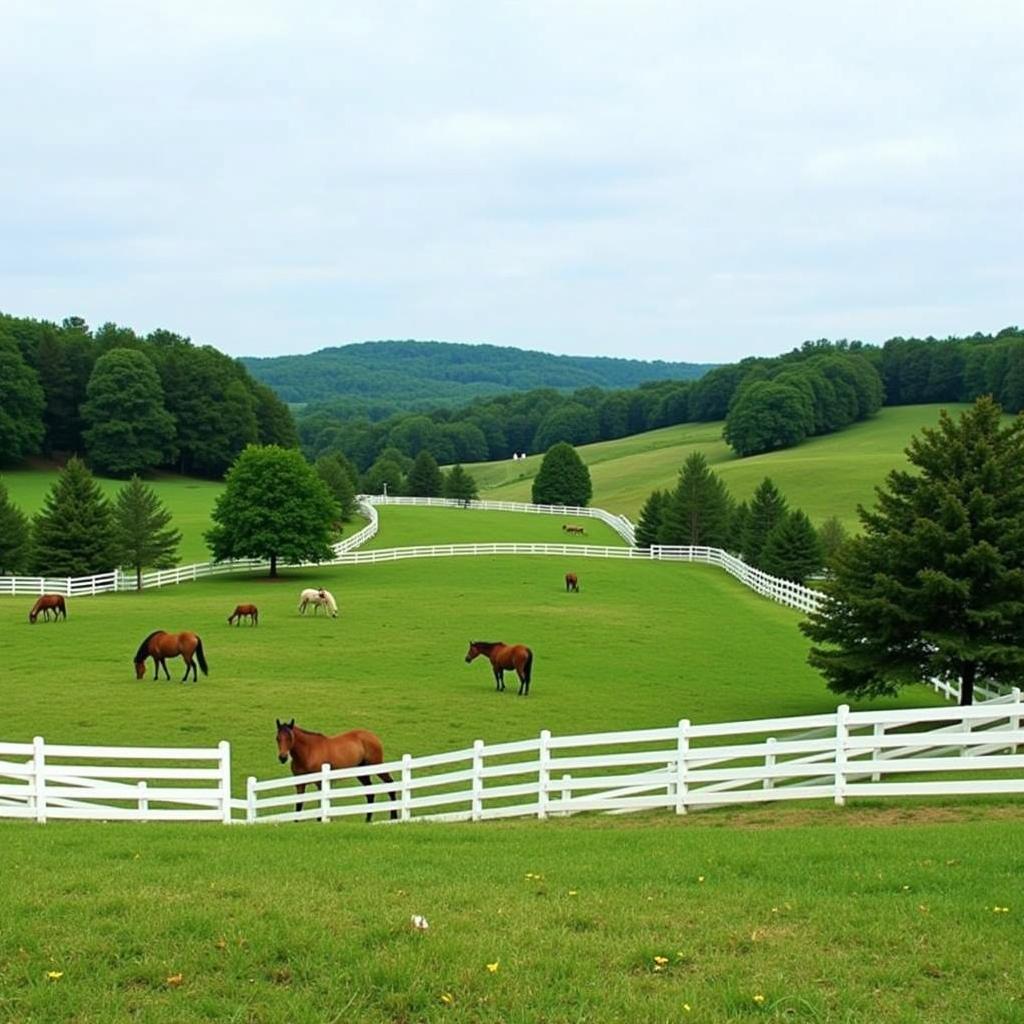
[[824, 476], [189, 501]]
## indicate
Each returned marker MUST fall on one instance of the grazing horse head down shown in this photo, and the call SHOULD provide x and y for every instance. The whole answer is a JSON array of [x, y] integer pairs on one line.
[[318, 598], [160, 646], [502, 657], [572, 582], [47, 603]]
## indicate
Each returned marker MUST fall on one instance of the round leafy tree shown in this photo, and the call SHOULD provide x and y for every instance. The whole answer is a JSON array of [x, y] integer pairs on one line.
[[562, 479]]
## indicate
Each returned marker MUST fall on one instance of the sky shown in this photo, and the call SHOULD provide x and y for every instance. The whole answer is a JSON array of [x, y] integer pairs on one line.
[[693, 181]]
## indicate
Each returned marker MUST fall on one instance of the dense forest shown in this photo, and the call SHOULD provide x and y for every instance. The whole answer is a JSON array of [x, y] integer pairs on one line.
[[426, 374], [129, 403]]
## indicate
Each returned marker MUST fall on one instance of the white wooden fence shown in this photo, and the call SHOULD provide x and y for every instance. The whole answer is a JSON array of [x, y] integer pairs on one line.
[[907, 752], [43, 781]]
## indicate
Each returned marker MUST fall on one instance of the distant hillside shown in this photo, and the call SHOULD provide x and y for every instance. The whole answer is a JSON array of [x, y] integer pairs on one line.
[[412, 373]]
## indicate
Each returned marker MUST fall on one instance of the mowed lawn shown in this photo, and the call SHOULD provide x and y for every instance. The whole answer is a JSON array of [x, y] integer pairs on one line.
[[824, 476]]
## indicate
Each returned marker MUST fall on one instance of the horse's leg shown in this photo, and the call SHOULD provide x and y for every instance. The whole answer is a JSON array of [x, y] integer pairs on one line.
[[163, 661], [365, 780], [189, 665], [300, 789], [386, 777]]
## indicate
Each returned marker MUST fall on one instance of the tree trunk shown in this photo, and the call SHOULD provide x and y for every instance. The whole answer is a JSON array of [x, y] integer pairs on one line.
[[273, 565], [968, 671]]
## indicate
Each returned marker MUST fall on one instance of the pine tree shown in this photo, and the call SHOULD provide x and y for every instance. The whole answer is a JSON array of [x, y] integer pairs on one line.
[[699, 510], [767, 510], [648, 527], [141, 537], [793, 551], [15, 539], [334, 472], [934, 585], [459, 485], [832, 535], [738, 527], [424, 479], [72, 532], [562, 479]]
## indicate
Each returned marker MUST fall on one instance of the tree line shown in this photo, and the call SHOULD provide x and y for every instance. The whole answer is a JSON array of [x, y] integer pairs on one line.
[[129, 403]]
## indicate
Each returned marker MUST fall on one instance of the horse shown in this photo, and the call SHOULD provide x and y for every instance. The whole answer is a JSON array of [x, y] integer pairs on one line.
[[503, 656], [47, 603], [160, 646], [242, 611], [567, 528], [310, 751], [572, 583], [319, 598]]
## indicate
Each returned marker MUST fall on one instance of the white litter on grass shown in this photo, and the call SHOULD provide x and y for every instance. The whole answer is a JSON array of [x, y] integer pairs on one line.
[[420, 922]]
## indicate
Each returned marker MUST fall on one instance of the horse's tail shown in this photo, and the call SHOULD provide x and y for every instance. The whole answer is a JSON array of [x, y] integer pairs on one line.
[[200, 657], [528, 667]]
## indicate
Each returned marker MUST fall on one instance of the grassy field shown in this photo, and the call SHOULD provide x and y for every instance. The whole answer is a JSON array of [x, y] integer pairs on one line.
[[188, 500], [824, 476]]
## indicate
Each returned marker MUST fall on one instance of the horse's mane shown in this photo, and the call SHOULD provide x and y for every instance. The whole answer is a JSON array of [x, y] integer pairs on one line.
[[140, 654], [488, 643]]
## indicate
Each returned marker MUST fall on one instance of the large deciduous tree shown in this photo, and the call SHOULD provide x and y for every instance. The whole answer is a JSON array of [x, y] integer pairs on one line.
[[934, 585], [699, 510], [562, 479], [273, 506], [141, 533], [72, 532], [128, 428]]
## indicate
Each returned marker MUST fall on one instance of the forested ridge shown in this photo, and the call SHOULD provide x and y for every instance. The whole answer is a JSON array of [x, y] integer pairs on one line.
[[129, 403], [425, 374]]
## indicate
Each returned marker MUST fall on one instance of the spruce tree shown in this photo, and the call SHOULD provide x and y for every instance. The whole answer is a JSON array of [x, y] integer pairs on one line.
[[738, 527], [934, 585], [459, 485], [648, 527], [72, 531], [832, 535], [334, 472], [141, 536], [15, 539], [562, 479], [699, 511], [793, 551], [424, 479], [767, 510]]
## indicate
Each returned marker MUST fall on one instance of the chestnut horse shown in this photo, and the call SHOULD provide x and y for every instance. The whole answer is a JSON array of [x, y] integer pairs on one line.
[[310, 751], [566, 528], [242, 611], [46, 604], [160, 646], [571, 582], [505, 656]]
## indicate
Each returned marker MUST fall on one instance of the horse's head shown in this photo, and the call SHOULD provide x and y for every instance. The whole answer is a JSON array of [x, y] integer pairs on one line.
[[285, 739], [473, 652], [140, 669], [32, 615]]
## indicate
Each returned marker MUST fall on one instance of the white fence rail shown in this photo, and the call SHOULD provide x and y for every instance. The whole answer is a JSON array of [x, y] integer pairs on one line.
[[43, 781]]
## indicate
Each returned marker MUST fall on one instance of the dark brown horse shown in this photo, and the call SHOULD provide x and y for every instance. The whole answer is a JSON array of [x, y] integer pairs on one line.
[[310, 751], [567, 528], [160, 646], [46, 604], [505, 656], [572, 583], [245, 611]]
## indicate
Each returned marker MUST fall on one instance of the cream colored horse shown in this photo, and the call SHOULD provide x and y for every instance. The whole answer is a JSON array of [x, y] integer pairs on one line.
[[318, 598]]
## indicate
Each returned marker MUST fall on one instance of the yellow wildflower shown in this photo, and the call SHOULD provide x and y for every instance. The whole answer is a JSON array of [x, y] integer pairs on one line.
[[55, 975], [447, 998], [493, 968], [662, 960], [174, 980], [759, 999], [700, 878], [686, 1007]]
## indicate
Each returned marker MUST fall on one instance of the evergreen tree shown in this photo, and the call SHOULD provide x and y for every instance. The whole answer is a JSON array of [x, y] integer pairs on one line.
[[793, 551], [15, 546], [699, 511], [459, 485], [72, 531], [738, 527], [767, 509], [333, 471], [128, 429], [273, 506], [649, 526], [562, 479], [21, 405], [934, 586], [386, 475], [832, 535], [141, 536], [425, 480]]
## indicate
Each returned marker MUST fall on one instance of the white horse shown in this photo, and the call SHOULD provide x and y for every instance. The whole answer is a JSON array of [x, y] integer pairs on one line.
[[318, 598]]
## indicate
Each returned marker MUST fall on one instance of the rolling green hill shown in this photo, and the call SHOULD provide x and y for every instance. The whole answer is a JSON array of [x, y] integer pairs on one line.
[[824, 476], [417, 373]]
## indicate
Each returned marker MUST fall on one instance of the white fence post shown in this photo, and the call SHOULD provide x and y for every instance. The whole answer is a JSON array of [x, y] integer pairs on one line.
[[250, 799], [682, 752], [769, 763], [842, 732], [477, 785], [39, 779], [566, 794], [143, 802], [1015, 721], [877, 733], [224, 749], [406, 797], [325, 793], [543, 774]]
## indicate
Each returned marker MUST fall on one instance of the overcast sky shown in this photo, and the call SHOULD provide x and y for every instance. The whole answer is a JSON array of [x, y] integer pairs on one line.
[[687, 180]]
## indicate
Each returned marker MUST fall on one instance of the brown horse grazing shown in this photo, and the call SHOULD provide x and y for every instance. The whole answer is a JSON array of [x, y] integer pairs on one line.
[[160, 646], [46, 604], [242, 611], [503, 656], [310, 751], [566, 528], [572, 583]]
